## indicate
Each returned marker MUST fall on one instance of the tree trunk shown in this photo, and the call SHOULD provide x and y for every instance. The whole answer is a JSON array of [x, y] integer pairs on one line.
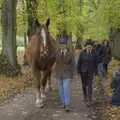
[[25, 40], [70, 45], [80, 28], [25, 23], [31, 16], [9, 31], [61, 25], [114, 37], [8, 61]]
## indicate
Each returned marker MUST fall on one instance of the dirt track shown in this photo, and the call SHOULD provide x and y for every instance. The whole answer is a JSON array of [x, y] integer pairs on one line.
[[22, 107]]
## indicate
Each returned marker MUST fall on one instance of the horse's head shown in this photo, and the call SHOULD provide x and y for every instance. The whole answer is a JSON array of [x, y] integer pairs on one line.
[[43, 32]]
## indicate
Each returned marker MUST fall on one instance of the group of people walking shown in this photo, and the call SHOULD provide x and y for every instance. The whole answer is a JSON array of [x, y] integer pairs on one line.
[[93, 60]]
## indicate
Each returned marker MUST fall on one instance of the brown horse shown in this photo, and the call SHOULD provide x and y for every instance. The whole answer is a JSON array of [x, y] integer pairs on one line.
[[40, 54]]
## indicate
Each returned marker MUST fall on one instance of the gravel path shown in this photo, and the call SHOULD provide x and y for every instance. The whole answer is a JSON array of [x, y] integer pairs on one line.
[[22, 107]]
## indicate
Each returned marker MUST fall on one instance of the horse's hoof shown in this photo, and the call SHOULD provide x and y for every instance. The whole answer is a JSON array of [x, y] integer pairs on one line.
[[40, 105]]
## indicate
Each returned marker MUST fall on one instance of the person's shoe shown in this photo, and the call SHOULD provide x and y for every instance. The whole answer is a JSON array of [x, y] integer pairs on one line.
[[85, 100], [88, 104], [61, 106], [67, 109]]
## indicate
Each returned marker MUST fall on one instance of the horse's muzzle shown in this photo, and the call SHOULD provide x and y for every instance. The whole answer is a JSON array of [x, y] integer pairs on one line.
[[44, 53]]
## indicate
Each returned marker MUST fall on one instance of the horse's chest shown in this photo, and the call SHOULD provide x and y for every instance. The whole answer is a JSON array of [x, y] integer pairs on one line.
[[43, 59], [45, 62]]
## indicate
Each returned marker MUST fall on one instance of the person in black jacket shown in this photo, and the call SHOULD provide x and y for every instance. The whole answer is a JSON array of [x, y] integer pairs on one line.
[[87, 67]]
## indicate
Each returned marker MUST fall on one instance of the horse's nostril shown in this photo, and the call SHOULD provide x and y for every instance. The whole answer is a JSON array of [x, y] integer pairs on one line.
[[44, 52]]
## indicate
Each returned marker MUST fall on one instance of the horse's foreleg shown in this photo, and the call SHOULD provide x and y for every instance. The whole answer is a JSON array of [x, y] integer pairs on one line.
[[39, 101], [44, 82]]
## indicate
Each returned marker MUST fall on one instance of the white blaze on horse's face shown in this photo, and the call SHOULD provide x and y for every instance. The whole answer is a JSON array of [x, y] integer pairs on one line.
[[43, 34]]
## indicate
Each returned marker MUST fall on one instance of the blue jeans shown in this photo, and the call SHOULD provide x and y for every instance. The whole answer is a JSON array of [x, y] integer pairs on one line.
[[64, 87]]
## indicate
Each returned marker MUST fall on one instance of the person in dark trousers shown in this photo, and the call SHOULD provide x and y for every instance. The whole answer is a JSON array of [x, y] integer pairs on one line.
[[107, 56], [87, 67]]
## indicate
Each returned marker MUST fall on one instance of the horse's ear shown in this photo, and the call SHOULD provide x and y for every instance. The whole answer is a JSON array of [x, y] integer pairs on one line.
[[48, 22], [37, 23]]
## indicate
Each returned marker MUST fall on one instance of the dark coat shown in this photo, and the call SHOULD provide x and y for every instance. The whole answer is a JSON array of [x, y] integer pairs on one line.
[[103, 53], [107, 55], [100, 52], [116, 88], [87, 62], [65, 65]]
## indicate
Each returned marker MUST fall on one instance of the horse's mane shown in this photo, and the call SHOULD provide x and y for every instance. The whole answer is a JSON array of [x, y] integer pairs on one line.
[[52, 43]]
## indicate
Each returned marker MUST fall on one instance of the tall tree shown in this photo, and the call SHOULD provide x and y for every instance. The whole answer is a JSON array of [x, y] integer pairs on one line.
[[79, 25], [9, 48], [61, 24], [31, 16]]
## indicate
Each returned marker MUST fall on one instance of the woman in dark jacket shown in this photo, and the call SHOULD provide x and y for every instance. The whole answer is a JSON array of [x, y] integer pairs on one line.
[[87, 67]]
